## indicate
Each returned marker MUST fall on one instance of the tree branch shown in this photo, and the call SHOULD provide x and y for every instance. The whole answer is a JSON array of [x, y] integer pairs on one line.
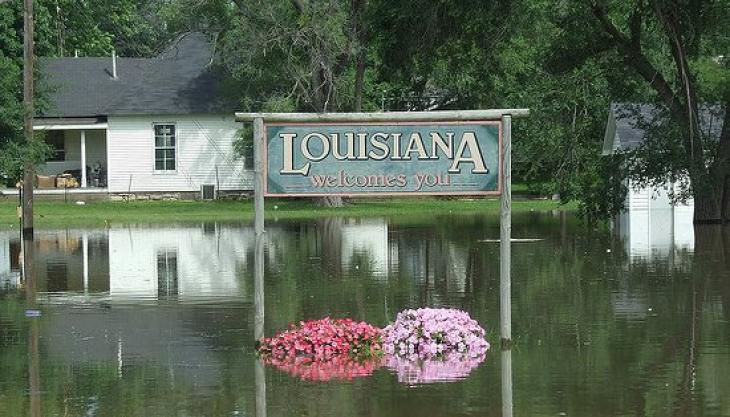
[[721, 165], [299, 5], [641, 64], [671, 24], [635, 25]]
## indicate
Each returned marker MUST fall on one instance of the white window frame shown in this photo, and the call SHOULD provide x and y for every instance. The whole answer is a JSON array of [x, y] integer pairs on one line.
[[176, 148]]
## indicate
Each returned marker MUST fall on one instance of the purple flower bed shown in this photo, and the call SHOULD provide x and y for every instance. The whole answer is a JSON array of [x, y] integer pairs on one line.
[[429, 333], [433, 344]]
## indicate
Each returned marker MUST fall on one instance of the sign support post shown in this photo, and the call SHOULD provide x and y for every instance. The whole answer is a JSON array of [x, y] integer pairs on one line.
[[505, 235], [258, 186]]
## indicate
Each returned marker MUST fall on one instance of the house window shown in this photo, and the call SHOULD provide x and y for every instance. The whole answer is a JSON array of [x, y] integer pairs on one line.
[[165, 145], [55, 140], [167, 273]]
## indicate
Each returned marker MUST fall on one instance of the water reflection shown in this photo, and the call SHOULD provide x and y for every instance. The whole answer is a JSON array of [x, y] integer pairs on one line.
[[659, 233], [9, 261], [506, 381], [158, 320], [32, 313]]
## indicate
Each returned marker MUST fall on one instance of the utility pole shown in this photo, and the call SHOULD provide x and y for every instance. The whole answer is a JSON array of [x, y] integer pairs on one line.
[[28, 174]]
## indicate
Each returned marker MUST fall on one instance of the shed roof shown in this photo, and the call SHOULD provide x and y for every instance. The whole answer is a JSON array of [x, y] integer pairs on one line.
[[178, 81], [624, 130]]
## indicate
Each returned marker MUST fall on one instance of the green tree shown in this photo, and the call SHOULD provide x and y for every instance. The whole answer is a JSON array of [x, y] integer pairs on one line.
[[288, 55], [675, 47]]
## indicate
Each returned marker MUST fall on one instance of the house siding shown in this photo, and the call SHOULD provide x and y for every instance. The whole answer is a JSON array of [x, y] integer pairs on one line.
[[204, 145]]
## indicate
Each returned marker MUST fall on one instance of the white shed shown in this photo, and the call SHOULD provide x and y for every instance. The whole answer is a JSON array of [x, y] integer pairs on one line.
[[650, 223]]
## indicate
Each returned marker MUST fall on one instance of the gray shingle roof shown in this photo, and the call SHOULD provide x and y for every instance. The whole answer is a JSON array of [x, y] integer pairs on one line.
[[179, 81], [624, 130]]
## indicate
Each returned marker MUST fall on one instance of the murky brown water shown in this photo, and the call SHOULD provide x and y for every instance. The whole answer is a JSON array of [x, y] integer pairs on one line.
[[157, 320]]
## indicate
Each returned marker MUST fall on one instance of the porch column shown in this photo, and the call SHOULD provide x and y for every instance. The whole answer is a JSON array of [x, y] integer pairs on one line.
[[83, 158]]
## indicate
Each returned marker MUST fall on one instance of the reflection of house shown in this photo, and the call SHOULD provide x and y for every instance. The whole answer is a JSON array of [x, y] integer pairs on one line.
[[125, 125], [180, 262], [9, 260], [177, 262], [650, 231]]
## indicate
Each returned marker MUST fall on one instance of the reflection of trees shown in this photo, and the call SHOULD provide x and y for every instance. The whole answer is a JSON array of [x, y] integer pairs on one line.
[[330, 232], [640, 323]]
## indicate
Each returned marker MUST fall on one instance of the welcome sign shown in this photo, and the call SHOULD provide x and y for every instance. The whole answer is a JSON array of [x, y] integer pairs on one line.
[[440, 158]]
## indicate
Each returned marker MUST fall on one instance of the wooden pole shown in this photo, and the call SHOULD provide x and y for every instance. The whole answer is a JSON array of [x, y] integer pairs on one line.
[[28, 174], [258, 147], [260, 381], [505, 255], [31, 305], [506, 365]]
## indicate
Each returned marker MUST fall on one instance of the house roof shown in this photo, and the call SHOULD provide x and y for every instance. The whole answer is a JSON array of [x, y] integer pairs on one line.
[[178, 81], [624, 130]]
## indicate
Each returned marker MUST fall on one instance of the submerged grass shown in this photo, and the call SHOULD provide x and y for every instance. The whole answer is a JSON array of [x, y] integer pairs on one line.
[[58, 213]]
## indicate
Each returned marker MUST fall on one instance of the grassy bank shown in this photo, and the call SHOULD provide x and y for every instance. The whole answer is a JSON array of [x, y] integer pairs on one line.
[[94, 213]]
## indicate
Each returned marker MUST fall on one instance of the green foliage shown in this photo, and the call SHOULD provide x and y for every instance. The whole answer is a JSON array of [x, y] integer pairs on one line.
[[601, 189], [15, 155]]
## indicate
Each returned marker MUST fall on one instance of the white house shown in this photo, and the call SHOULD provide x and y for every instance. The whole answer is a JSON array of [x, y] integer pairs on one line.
[[142, 125]]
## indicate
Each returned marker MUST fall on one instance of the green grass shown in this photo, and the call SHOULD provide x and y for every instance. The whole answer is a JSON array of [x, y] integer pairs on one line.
[[98, 213]]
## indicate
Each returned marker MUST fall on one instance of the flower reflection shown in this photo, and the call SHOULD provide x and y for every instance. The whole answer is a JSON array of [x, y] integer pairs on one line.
[[338, 367], [449, 367]]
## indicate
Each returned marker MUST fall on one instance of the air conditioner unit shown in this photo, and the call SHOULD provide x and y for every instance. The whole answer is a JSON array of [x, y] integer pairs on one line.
[[208, 192]]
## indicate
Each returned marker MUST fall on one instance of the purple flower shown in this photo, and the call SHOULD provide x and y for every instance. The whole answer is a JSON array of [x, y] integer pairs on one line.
[[435, 332]]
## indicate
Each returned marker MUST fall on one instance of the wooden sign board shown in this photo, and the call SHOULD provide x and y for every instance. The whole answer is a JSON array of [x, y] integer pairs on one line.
[[372, 159]]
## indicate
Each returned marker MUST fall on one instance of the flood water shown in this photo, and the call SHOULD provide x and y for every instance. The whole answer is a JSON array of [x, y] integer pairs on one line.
[[157, 320]]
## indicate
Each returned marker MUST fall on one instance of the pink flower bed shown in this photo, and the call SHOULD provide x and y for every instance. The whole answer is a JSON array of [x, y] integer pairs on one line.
[[324, 339]]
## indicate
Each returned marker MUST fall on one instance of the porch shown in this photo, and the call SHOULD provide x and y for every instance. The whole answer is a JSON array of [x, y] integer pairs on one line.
[[79, 148]]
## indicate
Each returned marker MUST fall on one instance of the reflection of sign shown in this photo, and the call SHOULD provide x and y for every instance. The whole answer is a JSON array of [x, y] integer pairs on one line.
[[396, 158]]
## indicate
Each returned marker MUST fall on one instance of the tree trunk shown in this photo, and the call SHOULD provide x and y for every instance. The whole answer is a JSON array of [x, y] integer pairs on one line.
[[360, 39], [359, 78], [725, 200], [721, 164], [707, 194]]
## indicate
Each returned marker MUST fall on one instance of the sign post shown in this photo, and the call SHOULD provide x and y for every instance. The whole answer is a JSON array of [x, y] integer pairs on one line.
[[378, 154], [505, 235], [258, 187]]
